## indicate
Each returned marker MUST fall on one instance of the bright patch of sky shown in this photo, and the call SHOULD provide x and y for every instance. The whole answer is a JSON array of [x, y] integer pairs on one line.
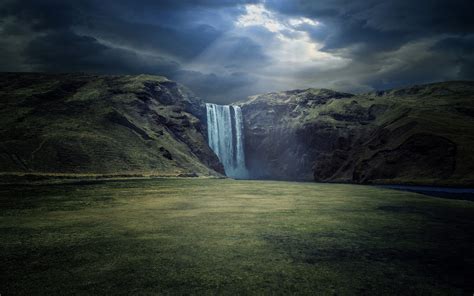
[[257, 15], [287, 49]]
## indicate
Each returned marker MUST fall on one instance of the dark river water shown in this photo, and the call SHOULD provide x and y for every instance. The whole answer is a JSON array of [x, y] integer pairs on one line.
[[445, 192]]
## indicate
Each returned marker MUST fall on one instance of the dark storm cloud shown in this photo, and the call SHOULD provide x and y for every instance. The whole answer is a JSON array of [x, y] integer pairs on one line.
[[461, 51], [179, 42], [413, 17], [381, 25], [62, 51], [99, 18], [222, 89], [378, 34], [360, 44], [154, 37], [460, 47]]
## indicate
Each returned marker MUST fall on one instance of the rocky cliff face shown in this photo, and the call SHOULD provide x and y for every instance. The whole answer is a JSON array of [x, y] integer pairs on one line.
[[419, 135], [102, 124], [149, 125]]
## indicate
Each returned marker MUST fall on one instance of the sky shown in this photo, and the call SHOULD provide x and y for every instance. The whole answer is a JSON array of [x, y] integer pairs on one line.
[[227, 50]]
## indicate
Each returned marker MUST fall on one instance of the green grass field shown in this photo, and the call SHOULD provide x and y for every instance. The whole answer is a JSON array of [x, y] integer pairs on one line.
[[208, 236]]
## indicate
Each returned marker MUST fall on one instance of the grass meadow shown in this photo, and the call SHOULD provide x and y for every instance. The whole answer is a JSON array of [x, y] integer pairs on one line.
[[221, 236]]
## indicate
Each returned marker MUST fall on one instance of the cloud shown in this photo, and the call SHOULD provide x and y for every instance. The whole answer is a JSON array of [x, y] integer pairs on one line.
[[223, 89], [388, 43], [459, 50], [224, 50], [65, 51]]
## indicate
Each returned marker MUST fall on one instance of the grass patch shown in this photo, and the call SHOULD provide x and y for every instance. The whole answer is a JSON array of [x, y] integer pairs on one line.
[[204, 236]]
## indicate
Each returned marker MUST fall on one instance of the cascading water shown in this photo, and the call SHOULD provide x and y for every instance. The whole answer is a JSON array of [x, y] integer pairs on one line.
[[224, 130]]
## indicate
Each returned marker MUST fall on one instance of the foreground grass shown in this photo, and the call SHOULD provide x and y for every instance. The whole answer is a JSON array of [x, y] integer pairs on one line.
[[185, 236]]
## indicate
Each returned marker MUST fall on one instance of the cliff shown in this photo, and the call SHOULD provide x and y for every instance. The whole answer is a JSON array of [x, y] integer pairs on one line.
[[74, 123], [149, 125], [418, 135]]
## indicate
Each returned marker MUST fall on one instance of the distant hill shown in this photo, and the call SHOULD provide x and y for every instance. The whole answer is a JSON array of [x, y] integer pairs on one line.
[[149, 125], [75, 123], [418, 135]]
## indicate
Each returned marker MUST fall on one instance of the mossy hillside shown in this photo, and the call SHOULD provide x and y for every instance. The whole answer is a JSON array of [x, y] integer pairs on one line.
[[148, 125], [331, 136], [73, 123]]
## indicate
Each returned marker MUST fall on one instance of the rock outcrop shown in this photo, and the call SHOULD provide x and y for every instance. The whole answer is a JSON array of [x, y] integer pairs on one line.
[[74, 123], [149, 125], [418, 135]]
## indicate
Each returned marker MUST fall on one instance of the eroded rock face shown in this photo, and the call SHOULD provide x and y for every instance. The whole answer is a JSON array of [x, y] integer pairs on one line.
[[419, 135], [77, 123], [421, 154], [151, 125]]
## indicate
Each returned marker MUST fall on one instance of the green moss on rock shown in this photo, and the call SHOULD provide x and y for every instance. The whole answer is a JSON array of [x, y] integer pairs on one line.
[[75, 123], [418, 135]]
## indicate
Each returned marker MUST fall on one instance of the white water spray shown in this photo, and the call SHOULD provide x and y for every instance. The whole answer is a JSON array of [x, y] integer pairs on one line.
[[225, 133]]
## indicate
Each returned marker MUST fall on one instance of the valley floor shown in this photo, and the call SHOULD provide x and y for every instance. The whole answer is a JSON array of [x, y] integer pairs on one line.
[[220, 236]]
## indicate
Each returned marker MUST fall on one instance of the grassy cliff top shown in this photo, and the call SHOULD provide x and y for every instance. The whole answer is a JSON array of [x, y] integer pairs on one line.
[[422, 134], [101, 124]]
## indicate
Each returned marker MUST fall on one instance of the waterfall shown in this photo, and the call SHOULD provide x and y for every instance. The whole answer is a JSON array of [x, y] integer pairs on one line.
[[225, 133]]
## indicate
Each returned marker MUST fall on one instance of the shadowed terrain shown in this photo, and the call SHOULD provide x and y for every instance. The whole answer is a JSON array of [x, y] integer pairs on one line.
[[142, 125], [121, 125], [249, 147], [194, 236], [417, 135]]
